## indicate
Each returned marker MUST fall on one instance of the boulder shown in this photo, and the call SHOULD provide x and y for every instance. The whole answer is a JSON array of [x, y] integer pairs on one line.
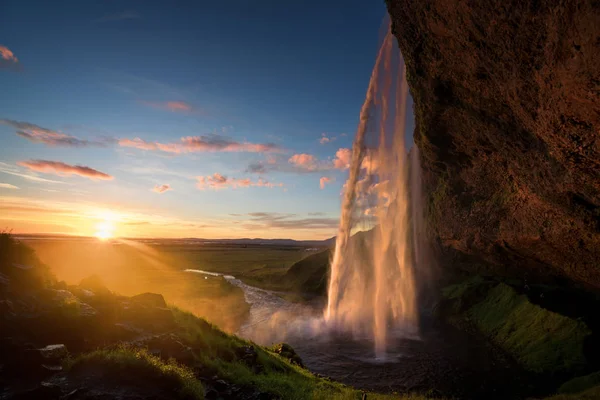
[[149, 300], [286, 351], [94, 284], [54, 351], [148, 311]]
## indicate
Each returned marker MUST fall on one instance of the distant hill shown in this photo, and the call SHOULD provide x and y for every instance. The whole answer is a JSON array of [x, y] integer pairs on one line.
[[243, 241], [310, 275]]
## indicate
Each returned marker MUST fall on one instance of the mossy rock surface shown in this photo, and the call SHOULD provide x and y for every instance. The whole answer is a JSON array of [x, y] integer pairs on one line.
[[580, 384], [541, 341]]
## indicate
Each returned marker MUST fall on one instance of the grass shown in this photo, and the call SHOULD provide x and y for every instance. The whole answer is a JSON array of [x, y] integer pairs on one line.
[[278, 376], [128, 363], [580, 384], [540, 340], [590, 394]]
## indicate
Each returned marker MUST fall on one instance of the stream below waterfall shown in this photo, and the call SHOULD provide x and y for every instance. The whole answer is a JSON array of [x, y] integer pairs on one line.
[[443, 361]]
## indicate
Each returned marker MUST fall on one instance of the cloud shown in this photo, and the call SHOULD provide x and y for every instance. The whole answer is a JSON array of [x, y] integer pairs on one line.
[[7, 186], [193, 144], [62, 169], [266, 220], [174, 106], [323, 181], [342, 158], [218, 181], [124, 15], [37, 134], [161, 188], [9, 169], [7, 54], [8, 58], [326, 139], [304, 161]]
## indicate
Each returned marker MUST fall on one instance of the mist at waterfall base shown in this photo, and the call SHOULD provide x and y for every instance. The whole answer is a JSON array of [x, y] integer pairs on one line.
[[372, 299]]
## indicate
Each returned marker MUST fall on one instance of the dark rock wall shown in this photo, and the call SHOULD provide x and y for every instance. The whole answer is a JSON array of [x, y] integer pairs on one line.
[[507, 108]]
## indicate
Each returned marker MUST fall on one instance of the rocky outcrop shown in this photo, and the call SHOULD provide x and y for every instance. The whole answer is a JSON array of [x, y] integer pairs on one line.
[[507, 108]]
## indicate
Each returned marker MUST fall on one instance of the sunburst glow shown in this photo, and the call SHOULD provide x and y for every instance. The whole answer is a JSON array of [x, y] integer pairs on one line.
[[104, 230]]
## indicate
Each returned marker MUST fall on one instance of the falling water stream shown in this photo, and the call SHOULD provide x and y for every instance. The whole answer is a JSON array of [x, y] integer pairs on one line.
[[372, 288], [370, 335]]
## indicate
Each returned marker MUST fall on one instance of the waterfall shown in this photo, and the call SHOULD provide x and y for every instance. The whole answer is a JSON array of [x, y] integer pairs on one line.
[[372, 291]]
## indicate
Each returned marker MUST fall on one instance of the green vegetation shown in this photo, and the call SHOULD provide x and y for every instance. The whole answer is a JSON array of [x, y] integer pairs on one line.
[[459, 290], [125, 363], [270, 373], [580, 384], [309, 275], [540, 340], [590, 394]]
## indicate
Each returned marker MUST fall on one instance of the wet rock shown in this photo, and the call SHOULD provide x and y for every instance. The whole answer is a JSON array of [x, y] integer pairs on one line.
[[249, 356], [211, 394], [54, 351], [45, 391]]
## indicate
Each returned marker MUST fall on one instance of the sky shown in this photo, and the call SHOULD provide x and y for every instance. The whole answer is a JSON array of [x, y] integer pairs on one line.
[[180, 119]]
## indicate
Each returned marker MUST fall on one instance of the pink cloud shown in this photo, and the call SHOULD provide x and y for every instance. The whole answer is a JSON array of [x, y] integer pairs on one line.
[[303, 160], [326, 139], [323, 181], [38, 134], [161, 188], [178, 106], [342, 158], [217, 181], [7, 54], [62, 169], [194, 144], [174, 106]]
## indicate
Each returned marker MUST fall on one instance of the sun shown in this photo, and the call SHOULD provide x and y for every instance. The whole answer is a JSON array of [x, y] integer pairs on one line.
[[104, 230]]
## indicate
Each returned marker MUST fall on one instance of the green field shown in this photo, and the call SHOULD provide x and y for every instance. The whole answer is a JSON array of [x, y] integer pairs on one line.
[[131, 267]]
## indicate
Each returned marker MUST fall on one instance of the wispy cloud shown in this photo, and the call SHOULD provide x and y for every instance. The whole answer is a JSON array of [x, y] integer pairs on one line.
[[326, 138], [120, 16], [209, 143], [11, 170], [37, 134], [7, 186], [266, 220], [175, 106], [218, 181], [62, 169], [8, 58], [323, 181], [161, 188]]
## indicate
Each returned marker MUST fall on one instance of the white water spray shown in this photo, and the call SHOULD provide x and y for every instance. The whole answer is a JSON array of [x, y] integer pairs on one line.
[[372, 288]]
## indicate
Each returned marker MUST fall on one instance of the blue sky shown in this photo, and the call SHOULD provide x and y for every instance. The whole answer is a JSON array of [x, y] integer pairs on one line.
[[111, 84]]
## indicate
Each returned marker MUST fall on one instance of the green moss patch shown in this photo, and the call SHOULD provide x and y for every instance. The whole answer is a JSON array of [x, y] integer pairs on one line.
[[580, 384], [132, 363], [590, 394], [540, 340]]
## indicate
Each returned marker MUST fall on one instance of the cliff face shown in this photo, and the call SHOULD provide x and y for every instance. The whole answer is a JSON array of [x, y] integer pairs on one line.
[[507, 108]]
